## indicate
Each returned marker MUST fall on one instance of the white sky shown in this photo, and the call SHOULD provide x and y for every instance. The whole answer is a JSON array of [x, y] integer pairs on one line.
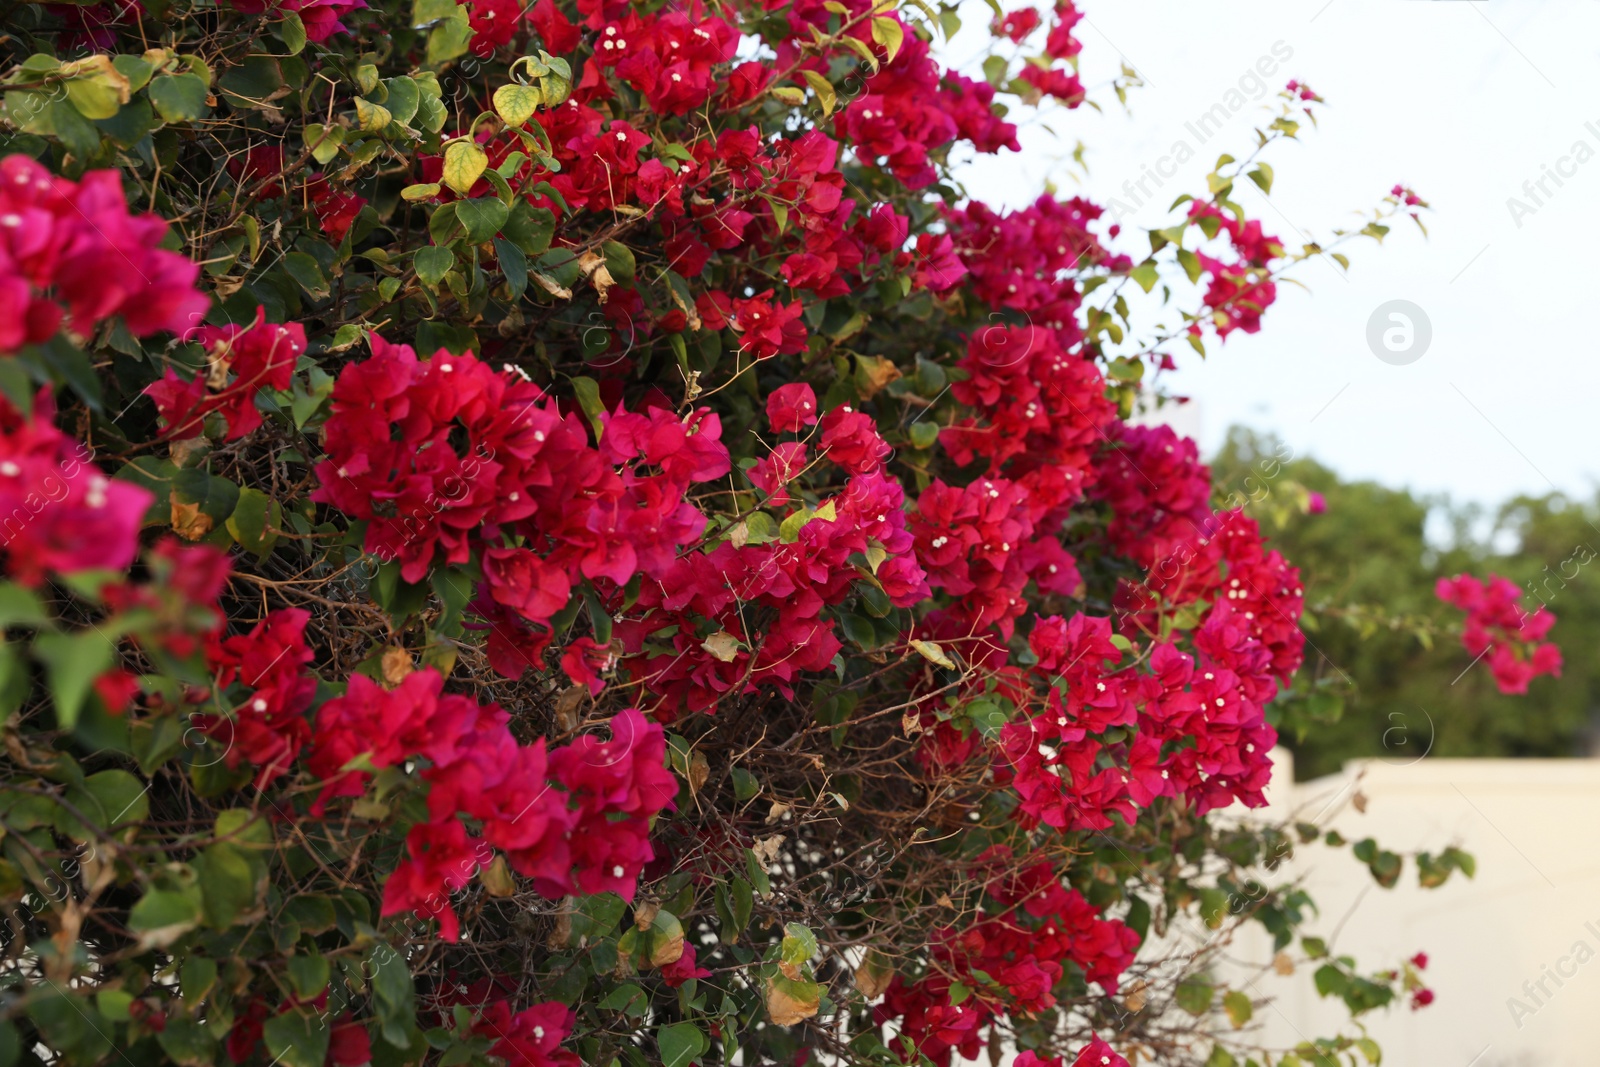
[[1462, 100]]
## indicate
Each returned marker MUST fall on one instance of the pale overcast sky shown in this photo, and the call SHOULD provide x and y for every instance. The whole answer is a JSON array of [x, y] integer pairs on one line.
[[1465, 101]]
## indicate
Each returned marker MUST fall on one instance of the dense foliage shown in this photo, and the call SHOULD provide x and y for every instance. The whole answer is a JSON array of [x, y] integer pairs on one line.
[[563, 537]]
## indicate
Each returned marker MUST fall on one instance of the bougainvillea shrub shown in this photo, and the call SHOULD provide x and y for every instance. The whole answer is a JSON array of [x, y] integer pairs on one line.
[[553, 534]]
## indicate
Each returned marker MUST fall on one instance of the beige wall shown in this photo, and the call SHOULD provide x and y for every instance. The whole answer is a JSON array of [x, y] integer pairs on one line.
[[1533, 908]]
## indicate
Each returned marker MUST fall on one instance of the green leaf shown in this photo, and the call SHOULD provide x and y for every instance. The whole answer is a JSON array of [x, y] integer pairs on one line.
[[252, 82], [620, 262], [757, 873], [1238, 1007], [1464, 862], [1194, 995], [482, 218], [799, 944], [588, 391], [1262, 176], [20, 607], [94, 97], [514, 265], [179, 97], [188, 1042], [70, 1025], [420, 191], [464, 164], [1330, 981], [988, 716], [72, 663], [1146, 275], [293, 32], [449, 38], [161, 917], [136, 69], [403, 99], [743, 903], [296, 1038], [307, 273], [114, 798], [530, 228], [114, 1003], [432, 263], [196, 978], [227, 883], [627, 998], [680, 1043], [255, 521], [394, 996], [308, 975], [323, 141]]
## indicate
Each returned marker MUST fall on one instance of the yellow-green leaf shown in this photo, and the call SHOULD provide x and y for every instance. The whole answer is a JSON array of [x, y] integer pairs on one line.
[[1238, 1007], [890, 34], [372, 117], [516, 103], [824, 90], [464, 164]]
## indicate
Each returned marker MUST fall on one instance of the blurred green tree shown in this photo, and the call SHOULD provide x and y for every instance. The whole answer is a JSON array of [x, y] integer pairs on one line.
[[1386, 676]]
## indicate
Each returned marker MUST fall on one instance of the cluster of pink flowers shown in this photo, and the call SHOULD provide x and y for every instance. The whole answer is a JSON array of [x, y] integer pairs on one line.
[[787, 585], [911, 107], [1009, 960], [446, 458], [531, 1037], [1039, 416], [574, 820], [1028, 261], [1241, 290], [71, 250], [244, 361], [1498, 627], [1095, 1054], [267, 729]]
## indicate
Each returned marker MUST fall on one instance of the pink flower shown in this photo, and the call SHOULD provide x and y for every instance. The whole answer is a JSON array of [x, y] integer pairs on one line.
[[768, 328], [494, 23], [62, 514], [584, 661], [775, 472], [792, 407], [521, 580], [336, 210], [682, 969], [1098, 1054]]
